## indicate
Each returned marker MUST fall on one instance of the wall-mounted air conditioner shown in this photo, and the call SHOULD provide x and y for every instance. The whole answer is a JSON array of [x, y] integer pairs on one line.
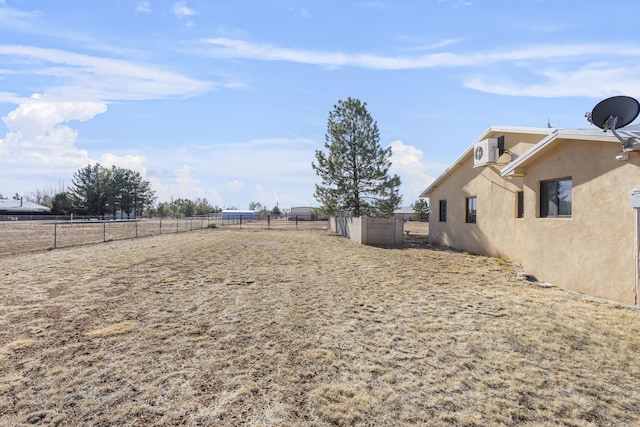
[[485, 152]]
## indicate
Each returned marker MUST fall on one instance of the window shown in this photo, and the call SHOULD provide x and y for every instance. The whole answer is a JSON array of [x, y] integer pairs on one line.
[[443, 211], [555, 197], [520, 204], [472, 206]]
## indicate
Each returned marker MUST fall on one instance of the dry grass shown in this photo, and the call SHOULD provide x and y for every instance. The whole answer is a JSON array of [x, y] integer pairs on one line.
[[274, 327]]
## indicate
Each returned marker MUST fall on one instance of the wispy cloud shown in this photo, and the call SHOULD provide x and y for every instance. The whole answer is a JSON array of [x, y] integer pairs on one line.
[[143, 7], [457, 3], [19, 20], [421, 44], [235, 48], [594, 80], [561, 70], [183, 12], [180, 9], [86, 77]]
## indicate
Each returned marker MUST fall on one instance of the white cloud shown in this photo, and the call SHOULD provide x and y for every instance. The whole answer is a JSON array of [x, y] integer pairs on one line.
[[128, 161], [37, 116], [38, 135], [40, 143], [180, 9], [181, 183], [235, 185], [143, 7], [183, 176], [406, 162]]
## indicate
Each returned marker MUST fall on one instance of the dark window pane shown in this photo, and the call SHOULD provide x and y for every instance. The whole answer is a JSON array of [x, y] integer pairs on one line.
[[472, 207], [555, 197], [564, 197], [443, 211], [520, 197]]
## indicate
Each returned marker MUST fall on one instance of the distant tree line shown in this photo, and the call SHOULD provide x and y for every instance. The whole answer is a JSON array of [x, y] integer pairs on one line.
[[111, 192], [262, 210], [183, 208]]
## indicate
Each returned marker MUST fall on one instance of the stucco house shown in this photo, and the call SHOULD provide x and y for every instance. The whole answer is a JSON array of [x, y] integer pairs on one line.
[[556, 201]]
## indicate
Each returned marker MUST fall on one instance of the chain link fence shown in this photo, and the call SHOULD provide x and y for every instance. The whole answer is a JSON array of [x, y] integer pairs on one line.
[[37, 233]]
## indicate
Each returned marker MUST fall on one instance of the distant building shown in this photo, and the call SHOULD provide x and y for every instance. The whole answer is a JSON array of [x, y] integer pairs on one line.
[[406, 213], [13, 206], [236, 214], [303, 213]]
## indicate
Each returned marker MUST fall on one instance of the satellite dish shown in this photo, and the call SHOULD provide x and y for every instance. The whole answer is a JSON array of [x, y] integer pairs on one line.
[[615, 113]]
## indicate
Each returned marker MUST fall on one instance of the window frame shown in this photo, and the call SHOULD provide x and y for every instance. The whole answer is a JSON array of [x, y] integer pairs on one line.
[[551, 205], [442, 213], [471, 210]]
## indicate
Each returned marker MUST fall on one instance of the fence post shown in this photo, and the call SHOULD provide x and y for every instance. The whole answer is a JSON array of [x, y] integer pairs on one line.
[[177, 225], [104, 231], [55, 235], [268, 221], [296, 222], [160, 225]]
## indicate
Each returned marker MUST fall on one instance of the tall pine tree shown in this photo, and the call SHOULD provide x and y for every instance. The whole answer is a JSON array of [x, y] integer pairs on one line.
[[355, 170]]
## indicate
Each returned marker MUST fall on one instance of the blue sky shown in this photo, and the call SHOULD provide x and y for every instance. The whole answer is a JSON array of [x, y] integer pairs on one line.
[[229, 100]]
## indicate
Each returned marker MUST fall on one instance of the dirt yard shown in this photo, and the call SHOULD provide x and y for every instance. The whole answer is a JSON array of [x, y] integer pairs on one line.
[[300, 327]]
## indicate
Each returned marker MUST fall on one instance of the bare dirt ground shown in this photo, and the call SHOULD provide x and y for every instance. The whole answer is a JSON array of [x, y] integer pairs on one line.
[[300, 327]]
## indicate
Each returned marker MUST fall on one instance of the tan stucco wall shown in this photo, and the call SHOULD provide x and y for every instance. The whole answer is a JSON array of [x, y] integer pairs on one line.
[[593, 251], [497, 232]]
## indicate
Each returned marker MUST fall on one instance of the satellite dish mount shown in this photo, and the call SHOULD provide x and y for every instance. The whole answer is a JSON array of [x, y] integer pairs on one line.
[[615, 113]]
